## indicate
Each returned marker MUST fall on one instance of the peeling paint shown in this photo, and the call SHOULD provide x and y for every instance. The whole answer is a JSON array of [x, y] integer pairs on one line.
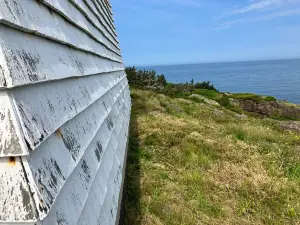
[[98, 151], [31, 59], [65, 109], [15, 199], [43, 21], [10, 143]]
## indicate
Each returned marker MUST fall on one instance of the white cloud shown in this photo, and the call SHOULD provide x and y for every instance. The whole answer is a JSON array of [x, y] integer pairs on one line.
[[262, 5], [257, 6], [191, 3], [270, 16], [259, 10]]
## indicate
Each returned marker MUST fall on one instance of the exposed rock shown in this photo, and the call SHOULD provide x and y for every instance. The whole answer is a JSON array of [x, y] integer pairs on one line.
[[184, 100], [270, 109], [218, 112], [234, 102], [291, 125], [175, 108], [206, 100], [241, 116]]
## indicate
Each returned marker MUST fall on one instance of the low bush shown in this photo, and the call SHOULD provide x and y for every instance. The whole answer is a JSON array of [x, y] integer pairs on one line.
[[254, 97]]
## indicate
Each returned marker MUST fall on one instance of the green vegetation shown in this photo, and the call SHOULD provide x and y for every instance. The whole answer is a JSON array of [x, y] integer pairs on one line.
[[193, 163], [259, 98], [145, 78], [149, 79]]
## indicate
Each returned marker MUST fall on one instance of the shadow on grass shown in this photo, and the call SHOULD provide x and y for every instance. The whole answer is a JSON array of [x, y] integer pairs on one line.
[[131, 212]]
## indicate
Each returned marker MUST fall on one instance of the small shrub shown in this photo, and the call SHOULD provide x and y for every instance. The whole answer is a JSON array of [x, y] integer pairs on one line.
[[293, 171], [195, 99], [269, 99], [254, 97], [224, 101], [152, 139], [205, 85], [246, 96], [211, 94]]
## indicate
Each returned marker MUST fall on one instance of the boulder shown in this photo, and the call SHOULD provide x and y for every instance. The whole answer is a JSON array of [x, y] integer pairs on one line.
[[291, 125], [241, 116], [270, 109], [206, 100]]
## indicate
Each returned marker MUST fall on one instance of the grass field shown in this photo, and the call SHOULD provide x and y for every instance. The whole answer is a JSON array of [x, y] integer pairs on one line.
[[193, 163]]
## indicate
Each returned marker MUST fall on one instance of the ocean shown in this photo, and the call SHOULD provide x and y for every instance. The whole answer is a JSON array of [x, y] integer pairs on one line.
[[278, 78]]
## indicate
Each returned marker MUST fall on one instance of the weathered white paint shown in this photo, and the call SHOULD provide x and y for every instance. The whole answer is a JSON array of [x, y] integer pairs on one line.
[[77, 188], [86, 10], [103, 13], [67, 145], [29, 59], [77, 16], [46, 107], [107, 6], [37, 18], [12, 142], [64, 112], [101, 17], [16, 203]]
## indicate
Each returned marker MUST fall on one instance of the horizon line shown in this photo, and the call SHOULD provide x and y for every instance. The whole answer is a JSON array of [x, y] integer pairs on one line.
[[214, 62]]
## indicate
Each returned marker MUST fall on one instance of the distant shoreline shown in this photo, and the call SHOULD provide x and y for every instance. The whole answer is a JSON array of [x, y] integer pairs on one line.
[[216, 62], [278, 78]]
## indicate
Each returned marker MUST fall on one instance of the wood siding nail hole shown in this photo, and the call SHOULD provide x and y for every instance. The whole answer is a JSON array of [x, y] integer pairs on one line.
[[12, 161]]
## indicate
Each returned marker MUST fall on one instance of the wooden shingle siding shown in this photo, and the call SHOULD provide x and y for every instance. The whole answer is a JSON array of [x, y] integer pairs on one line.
[[64, 113], [68, 144], [85, 10], [29, 58], [101, 17], [39, 19], [89, 170], [12, 142], [48, 106], [16, 202], [107, 6], [104, 13], [74, 16], [49, 24]]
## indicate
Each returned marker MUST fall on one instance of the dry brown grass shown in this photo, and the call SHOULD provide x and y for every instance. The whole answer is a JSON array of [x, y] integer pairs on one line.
[[192, 163]]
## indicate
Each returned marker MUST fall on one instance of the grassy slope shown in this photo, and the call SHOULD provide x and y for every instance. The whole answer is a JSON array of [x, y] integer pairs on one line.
[[193, 163]]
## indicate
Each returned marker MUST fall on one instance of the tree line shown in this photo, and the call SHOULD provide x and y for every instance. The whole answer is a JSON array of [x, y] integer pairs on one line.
[[149, 79]]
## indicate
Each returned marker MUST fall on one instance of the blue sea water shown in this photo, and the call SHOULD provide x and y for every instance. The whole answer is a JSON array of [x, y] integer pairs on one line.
[[278, 78]]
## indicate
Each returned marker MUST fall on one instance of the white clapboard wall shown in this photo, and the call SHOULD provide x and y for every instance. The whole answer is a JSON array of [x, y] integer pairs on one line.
[[64, 113]]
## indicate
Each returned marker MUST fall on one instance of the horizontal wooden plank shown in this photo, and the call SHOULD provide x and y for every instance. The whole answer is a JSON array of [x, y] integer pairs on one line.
[[65, 95], [103, 11], [58, 161], [12, 142], [109, 209], [85, 10], [42, 109], [91, 213], [16, 203], [37, 18], [89, 194], [107, 5], [101, 17], [75, 17], [28, 59]]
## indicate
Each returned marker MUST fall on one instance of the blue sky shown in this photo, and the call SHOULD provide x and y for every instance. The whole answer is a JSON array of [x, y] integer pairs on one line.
[[158, 32]]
